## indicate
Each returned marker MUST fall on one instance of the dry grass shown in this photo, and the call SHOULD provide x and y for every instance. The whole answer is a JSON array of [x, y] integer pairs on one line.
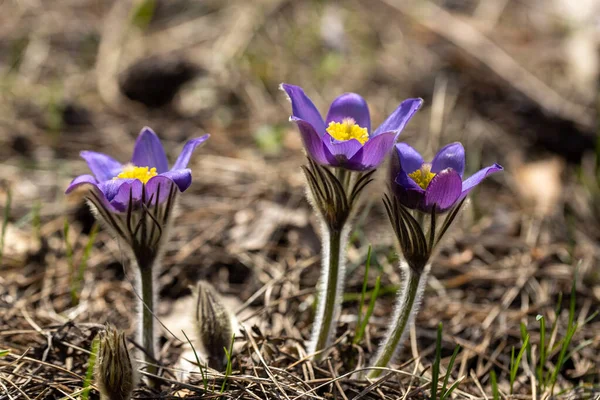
[[244, 224]]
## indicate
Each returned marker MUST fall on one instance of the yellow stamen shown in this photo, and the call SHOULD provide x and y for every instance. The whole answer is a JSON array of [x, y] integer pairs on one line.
[[346, 130], [422, 176], [142, 174]]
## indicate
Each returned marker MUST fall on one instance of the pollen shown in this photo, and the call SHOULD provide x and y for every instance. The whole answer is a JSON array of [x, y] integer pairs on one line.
[[422, 176], [346, 130], [142, 174]]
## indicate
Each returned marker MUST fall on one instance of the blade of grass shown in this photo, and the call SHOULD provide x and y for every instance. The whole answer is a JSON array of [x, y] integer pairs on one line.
[[4, 353], [362, 292], [68, 247], [202, 373], [365, 320], [435, 369], [90, 369], [524, 334], [543, 349], [5, 222], [76, 282], [571, 329], [494, 380], [229, 367], [448, 371], [517, 363], [388, 290]]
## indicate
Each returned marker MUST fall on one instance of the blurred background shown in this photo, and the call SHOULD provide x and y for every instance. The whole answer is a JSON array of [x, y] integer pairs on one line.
[[516, 81]]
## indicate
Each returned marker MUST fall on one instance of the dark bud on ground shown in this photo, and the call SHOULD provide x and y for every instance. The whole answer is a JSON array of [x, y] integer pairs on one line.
[[114, 372], [213, 323]]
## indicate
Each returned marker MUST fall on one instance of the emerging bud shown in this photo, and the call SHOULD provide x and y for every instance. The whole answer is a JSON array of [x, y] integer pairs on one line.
[[114, 372], [214, 326]]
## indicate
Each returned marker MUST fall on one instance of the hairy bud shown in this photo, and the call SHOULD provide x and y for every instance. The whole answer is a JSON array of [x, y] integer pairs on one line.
[[114, 372], [213, 322]]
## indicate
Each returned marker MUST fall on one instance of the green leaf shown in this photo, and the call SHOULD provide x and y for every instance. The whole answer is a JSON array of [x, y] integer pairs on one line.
[[142, 15], [90, 369]]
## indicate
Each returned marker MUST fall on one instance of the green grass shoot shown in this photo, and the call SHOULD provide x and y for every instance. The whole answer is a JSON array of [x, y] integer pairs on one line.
[[363, 325], [364, 289], [435, 369], [202, 373], [515, 363], [5, 222], [4, 353], [68, 246], [542, 348], [447, 393], [566, 341], [77, 280], [229, 367], [494, 382], [142, 15], [90, 369]]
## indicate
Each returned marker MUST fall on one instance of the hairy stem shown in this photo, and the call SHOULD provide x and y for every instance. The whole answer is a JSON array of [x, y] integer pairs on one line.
[[147, 323], [409, 299], [330, 287]]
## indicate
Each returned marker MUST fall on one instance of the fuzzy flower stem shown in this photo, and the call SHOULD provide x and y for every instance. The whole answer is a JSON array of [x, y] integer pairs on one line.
[[334, 196], [409, 299], [147, 328], [331, 287]]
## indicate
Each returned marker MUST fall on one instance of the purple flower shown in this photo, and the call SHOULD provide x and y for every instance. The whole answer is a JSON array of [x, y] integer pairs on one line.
[[421, 186], [345, 138], [146, 176]]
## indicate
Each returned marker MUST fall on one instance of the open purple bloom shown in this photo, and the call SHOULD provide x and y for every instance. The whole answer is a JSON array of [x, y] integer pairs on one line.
[[344, 139], [421, 186], [147, 176]]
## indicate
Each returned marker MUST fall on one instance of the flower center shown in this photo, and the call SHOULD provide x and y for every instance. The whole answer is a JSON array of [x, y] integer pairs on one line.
[[422, 176], [142, 174], [346, 130]]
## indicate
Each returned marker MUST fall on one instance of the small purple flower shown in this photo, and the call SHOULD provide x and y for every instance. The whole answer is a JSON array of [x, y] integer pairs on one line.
[[345, 139], [145, 176], [421, 186]]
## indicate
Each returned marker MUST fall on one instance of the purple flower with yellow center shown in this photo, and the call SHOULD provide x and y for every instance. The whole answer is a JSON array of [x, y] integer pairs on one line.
[[143, 177], [136, 202], [421, 186], [421, 193], [344, 139]]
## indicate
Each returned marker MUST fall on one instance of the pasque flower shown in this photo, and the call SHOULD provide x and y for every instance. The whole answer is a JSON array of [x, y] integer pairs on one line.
[[343, 154], [143, 176], [421, 186], [136, 202], [344, 139], [425, 200]]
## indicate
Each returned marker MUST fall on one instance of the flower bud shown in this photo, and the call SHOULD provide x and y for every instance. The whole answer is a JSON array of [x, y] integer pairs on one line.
[[213, 322], [114, 372]]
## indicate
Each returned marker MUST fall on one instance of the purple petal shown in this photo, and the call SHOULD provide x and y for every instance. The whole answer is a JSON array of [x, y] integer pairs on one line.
[[479, 176], [409, 158], [340, 151], [443, 190], [118, 191], [450, 156], [164, 182], [350, 105], [407, 183], [303, 107], [186, 153], [181, 177], [149, 152], [407, 191], [400, 117], [375, 150], [81, 180], [102, 166], [313, 142]]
